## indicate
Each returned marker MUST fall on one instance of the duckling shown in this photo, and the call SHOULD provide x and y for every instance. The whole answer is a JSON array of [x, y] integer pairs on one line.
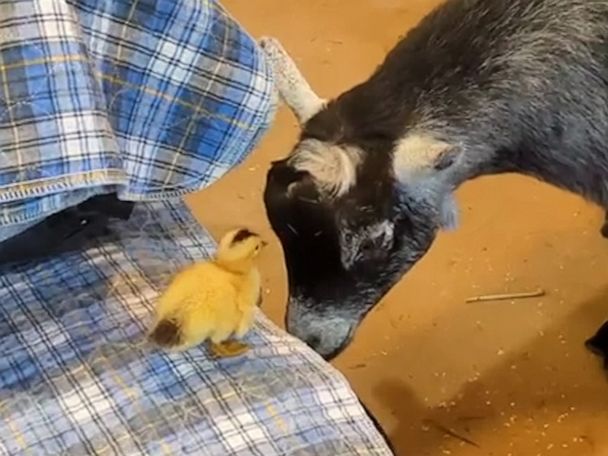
[[212, 300]]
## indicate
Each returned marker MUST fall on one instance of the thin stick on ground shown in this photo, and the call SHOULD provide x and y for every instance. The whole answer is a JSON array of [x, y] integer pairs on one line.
[[447, 431], [508, 296]]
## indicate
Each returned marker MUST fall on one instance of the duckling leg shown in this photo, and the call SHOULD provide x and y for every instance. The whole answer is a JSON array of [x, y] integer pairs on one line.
[[228, 349], [244, 324], [260, 294]]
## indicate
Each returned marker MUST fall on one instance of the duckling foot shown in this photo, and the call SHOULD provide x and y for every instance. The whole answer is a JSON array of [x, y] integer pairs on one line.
[[229, 349]]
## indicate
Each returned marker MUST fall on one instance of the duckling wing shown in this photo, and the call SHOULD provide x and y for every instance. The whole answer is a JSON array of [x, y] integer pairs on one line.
[[212, 312]]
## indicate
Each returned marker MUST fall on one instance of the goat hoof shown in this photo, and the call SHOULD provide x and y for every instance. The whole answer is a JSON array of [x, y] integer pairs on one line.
[[598, 344]]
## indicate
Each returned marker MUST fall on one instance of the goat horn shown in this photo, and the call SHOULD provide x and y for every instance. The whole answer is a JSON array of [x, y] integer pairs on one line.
[[293, 89]]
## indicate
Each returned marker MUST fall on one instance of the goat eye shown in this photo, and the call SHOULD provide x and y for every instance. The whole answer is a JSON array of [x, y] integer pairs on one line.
[[367, 247]]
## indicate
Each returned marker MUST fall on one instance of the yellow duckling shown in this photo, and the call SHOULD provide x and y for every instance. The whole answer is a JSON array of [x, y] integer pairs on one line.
[[212, 300]]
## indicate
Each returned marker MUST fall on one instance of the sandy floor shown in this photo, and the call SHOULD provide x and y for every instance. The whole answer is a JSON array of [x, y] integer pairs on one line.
[[511, 377]]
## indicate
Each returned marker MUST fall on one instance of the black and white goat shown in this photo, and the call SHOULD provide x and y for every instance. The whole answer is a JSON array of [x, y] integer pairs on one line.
[[478, 87]]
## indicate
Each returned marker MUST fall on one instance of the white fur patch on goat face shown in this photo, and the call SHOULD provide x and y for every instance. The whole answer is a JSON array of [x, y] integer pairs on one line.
[[417, 154], [333, 167]]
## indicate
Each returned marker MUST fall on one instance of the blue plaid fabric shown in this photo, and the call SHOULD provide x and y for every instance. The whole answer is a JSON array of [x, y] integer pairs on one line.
[[147, 98], [77, 377]]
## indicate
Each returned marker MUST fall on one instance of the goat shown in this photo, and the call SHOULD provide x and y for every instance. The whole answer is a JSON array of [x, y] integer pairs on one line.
[[478, 87]]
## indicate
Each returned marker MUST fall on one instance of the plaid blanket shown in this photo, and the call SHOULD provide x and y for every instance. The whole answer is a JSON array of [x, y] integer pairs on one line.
[[150, 99], [147, 98], [77, 377]]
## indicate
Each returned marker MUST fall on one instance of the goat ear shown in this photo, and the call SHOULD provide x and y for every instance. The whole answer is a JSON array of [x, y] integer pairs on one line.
[[446, 158], [419, 154], [283, 180], [302, 186]]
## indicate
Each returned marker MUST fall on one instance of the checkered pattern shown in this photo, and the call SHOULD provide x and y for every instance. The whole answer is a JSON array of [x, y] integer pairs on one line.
[[148, 98], [77, 377]]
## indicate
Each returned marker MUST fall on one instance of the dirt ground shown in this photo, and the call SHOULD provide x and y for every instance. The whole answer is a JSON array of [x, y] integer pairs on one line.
[[509, 378]]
